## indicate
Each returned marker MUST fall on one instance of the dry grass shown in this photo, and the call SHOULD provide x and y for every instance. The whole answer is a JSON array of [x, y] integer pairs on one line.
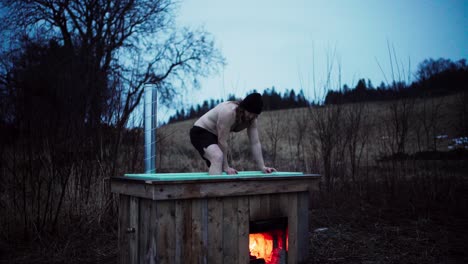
[[98, 247], [286, 126]]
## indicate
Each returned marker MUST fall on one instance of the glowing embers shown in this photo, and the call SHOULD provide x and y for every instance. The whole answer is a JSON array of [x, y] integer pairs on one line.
[[268, 241]]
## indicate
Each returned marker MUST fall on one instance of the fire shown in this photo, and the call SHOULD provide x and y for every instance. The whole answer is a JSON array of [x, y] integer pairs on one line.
[[261, 245]]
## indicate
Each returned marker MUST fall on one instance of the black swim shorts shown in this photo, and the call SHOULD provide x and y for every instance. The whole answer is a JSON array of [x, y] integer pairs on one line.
[[202, 138]]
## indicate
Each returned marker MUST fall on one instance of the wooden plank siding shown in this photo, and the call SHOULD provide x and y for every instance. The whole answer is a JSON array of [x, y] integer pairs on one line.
[[292, 228], [230, 230], [145, 251], [215, 230], [134, 230], [124, 223], [183, 231], [243, 220], [302, 227], [165, 239], [208, 229]]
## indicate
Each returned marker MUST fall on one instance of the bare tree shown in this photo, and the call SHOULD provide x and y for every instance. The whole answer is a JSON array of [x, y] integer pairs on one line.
[[297, 137], [327, 129], [461, 106], [401, 108], [399, 123], [275, 132], [429, 117], [356, 134], [88, 60], [325, 122], [121, 44]]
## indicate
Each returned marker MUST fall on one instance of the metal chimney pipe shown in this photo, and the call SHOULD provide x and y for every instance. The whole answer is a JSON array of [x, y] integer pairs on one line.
[[150, 113]]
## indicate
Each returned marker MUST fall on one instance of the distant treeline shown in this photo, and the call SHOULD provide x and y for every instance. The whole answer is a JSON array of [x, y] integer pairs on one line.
[[433, 78], [272, 100]]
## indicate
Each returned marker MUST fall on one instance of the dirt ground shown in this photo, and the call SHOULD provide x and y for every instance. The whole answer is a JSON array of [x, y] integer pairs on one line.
[[382, 237]]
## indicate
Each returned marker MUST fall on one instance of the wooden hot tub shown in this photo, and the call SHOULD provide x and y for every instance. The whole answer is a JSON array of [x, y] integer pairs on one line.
[[198, 218]]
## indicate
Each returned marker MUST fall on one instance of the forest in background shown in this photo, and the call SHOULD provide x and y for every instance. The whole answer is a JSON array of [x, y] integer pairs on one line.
[[433, 78]]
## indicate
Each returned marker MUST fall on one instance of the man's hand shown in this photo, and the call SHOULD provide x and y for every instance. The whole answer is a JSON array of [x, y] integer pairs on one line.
[[268, 170], [230, 170]]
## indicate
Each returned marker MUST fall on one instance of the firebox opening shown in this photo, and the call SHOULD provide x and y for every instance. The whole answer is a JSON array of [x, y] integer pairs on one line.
[[268, 241]]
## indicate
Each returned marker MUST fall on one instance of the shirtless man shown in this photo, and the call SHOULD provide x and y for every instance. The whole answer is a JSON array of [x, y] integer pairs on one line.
[[210, 133]]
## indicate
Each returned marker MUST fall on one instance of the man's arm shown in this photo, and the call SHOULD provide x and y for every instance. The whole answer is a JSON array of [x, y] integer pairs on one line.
[[256, 147], [226, 118]]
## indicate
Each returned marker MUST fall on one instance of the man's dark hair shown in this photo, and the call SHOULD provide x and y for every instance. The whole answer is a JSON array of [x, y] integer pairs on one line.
[[253, 103]]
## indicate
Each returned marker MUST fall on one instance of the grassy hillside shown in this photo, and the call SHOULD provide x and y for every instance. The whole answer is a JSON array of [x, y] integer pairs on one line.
[[291, 141]]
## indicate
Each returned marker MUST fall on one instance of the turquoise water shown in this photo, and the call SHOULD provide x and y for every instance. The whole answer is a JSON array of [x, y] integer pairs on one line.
[[206, 176]]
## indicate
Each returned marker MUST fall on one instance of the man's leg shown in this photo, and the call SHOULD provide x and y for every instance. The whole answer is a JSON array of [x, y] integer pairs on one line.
[[214, 154]]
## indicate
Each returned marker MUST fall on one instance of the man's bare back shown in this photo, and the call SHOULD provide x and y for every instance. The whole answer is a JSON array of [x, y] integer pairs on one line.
[[210, 133], [210, 119]]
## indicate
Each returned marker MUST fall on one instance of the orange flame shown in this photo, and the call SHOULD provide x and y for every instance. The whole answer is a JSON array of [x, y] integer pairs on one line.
[[261, 246]]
